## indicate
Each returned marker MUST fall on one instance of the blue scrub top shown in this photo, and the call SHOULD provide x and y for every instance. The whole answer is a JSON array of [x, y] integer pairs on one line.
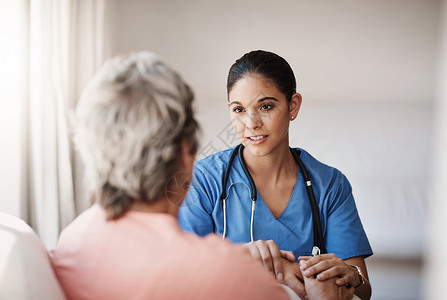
[[202, 210]]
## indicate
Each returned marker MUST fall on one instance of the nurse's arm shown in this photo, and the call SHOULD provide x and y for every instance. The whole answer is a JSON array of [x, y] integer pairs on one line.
[[364, 290]]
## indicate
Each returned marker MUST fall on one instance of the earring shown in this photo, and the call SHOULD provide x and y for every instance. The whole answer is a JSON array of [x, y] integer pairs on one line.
[[292, 117]]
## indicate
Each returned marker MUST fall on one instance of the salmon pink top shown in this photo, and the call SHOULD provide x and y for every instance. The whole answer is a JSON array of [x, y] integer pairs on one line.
[[147, 256]]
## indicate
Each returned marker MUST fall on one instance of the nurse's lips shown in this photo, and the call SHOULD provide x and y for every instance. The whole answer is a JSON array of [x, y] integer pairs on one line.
[[257, 139]]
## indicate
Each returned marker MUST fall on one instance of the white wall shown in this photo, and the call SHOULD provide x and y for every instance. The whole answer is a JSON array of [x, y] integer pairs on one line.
[[436, 266], [362, 51]]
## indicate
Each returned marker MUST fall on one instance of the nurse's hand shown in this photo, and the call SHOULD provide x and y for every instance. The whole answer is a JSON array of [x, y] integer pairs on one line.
[[326, 290], [328, 266], [268, 254]]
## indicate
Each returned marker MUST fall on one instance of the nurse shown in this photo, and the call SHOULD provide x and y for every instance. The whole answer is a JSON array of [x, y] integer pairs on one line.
[[262, 101]]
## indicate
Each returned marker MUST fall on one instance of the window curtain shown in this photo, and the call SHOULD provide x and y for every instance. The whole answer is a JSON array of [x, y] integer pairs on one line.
[[65, 42]]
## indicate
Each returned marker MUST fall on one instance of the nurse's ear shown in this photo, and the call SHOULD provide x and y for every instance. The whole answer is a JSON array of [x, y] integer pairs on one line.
[[295, 105]]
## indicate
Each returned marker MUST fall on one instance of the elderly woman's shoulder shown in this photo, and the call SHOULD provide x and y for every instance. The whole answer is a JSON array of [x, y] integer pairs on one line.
[[232, 255], [240, 271]]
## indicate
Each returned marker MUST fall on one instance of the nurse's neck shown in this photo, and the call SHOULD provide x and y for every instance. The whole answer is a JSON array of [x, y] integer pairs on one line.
[[273, 166]]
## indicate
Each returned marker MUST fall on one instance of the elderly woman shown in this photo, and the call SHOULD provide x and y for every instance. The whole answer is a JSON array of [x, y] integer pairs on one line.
[[137, 135]]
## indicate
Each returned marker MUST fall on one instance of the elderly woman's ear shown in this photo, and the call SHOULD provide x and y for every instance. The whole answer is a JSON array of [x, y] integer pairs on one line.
[[180, 182], [186, 157]]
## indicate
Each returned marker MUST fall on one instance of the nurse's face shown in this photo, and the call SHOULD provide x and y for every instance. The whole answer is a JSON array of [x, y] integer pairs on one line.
[[261, 114]]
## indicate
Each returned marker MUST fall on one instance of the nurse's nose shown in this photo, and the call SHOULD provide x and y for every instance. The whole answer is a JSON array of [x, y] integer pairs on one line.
[[253, 121]]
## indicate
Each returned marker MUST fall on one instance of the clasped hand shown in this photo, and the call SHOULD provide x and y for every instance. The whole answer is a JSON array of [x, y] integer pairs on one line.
[[279, 263], [328, 269], [268, 253], [328, 266]]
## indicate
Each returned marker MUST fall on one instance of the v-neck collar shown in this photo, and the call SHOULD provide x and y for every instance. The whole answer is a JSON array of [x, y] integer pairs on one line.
[[259, 197], [292, 196]]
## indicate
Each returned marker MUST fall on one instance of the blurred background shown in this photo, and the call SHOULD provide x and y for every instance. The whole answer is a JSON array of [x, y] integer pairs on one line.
[[371, 73]]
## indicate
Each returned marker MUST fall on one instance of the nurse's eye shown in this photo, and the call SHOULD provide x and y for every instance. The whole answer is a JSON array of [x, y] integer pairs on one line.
[[266, 107], [238, 109]]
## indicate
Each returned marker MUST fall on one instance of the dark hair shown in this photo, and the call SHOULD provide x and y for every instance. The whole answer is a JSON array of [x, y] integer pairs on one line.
[[267, 64]]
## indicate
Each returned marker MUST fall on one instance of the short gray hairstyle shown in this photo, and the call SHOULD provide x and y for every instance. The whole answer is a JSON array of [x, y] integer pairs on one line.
[[130, 123]]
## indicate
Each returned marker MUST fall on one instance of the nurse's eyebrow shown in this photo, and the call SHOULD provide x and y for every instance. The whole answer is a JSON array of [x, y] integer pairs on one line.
[[259, 100], [267, 98]]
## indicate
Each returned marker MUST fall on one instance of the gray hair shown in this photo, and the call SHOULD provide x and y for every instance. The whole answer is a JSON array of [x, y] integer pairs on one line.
[[130, 122]]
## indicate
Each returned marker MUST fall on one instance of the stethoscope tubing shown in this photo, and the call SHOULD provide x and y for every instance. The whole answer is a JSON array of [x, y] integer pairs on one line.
[[318, 232]]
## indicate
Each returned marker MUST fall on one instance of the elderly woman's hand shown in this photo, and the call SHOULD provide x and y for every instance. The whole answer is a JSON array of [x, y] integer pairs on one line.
[[293, 278]]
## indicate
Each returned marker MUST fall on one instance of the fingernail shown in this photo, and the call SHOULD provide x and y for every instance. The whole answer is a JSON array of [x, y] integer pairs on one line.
[[279, 276], [307, 273], [303, 264]]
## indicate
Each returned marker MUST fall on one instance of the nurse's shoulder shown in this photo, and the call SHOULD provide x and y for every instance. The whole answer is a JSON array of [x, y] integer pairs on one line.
[[322, 174], [206, 186], [215, 164]]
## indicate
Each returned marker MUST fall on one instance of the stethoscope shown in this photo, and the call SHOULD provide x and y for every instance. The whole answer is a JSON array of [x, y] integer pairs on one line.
[[318, 233]]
